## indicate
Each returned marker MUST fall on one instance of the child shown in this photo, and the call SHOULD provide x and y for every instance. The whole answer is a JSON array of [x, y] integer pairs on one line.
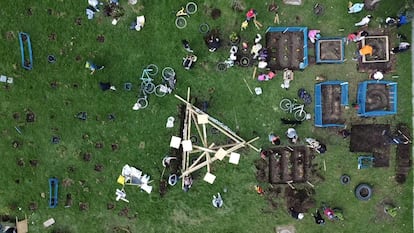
[[403, 46], [189, 61], [318, 218], [275, 140]]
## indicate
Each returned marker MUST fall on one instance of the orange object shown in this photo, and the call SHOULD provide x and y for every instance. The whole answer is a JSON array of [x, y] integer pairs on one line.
[[366, 50], [259, 190]]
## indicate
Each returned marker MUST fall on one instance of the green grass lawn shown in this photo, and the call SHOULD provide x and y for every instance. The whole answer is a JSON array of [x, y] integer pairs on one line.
[[141, 135]]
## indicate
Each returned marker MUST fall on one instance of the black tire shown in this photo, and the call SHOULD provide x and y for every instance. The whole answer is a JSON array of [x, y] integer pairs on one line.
[[363, 192], [345, 179]]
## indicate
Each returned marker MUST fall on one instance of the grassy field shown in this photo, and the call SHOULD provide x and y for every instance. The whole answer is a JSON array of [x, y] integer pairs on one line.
[[141, 135]]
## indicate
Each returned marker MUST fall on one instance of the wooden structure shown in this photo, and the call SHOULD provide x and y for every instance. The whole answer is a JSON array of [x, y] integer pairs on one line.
[[208, 152]]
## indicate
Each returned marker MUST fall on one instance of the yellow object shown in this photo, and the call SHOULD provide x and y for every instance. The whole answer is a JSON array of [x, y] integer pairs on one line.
[[366, 50], [121, 180], [87, 65], [244, 25]]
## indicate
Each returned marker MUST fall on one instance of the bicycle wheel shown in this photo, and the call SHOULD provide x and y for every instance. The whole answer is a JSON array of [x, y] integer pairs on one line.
[[300, 115], [168, 73], [204, 28], [142, 103], [191, 8], [152, 69], [161, 90], [148, 87], [285, 105], [221, 66], [180, 22]]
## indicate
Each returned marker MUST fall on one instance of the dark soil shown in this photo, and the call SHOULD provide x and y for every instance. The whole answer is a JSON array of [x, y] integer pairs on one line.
[[99, 145], [33, 206], [377, 98], [110, 206], [98, 167], [331, 105], [100, 38], [403, 159], [83, 206], [16, 116], [380, 48], [67, 182], [29, 12], [69, 200], [87, 157], [78, 58], [33, 162], [20, 162], [215, 13], [52, 36], [285, 50], [16, 144], [369, 138], [330, 50], [114, 146], [124, 212], [299, 199], [30, 116], [78, 21]]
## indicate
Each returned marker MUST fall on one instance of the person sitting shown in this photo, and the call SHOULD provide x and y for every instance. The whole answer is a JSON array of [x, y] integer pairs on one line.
[[138, 24], [329, 213], [314, 35], [188, 182], [188, 62], [213, 43], [355, 8], [296, 214], [106, 86], [376, 75], [357, 36], [364, 51], [318, 218], [403, 46], [266, 77], [292, 135], [275, 140], [251, 14]]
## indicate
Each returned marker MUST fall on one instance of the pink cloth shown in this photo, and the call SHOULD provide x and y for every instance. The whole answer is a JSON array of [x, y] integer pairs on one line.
[[312, 33]]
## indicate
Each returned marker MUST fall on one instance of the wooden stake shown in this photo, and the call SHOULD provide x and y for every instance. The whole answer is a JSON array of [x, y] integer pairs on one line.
[[248, 86], [289, 148], [290, 184], [309, 183], [324, 165], [254, 72], [276, 19]]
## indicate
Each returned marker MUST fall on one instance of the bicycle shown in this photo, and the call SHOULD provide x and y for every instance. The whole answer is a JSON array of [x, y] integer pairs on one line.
[[147, 85], [189, 9], [291, 106], [168, 84]]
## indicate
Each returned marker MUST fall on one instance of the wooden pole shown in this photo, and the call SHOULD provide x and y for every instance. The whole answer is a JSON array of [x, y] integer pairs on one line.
[[254, 72], [324, 165], [248, 87]]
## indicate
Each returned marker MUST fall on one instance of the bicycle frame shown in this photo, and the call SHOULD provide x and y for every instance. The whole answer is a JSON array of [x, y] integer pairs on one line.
[[290, 106]]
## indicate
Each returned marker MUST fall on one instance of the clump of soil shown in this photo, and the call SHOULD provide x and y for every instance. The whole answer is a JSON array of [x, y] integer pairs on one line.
[[215, 13], [98, 167], [54, 85], [124, 212], [33, 162], [71, 169], [75, 85], [99, 145], [20, 162], [10, 35], [33, 206], [83, 206], [30, 116], [49, 11], [52, 36], [67, 182], [100, 38], [87, 157], [114, 146], [69, 200], [163, 188], [110, 206], [85, 136], [16, 116], [16, 144], [78, 21], [299, 199], [78, 58], [29, 11], [17, 181]]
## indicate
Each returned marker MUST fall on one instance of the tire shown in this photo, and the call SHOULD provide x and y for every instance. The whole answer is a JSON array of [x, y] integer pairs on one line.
[[345, 179], [204, 28], [142, 102], [300, 115], [148, 88], [168, 73], [180, 22], [363, 192], [191, 8], [152, 69], [285, 105], [160, 90]]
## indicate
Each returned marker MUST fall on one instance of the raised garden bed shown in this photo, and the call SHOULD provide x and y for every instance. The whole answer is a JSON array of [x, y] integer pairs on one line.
[[380, 45], [330, 50], [330, 99]]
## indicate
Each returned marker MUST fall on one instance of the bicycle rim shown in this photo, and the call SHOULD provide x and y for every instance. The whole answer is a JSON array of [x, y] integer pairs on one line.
[[180, 22], [204, 28], [143, 103], [168, 73], [152, 69], [148, 88], [160, 90], [221, 66], [285, 105], [300, 115], [191, 8]]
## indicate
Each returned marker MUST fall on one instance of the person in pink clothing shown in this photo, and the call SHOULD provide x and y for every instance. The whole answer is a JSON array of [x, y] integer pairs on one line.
[[314, 35]]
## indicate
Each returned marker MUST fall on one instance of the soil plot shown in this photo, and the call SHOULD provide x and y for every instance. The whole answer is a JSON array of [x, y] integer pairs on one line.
[[331, 105], [380, 48], [377, 98], [289, 164], [330, 50], [370, 138], [285, 50]]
